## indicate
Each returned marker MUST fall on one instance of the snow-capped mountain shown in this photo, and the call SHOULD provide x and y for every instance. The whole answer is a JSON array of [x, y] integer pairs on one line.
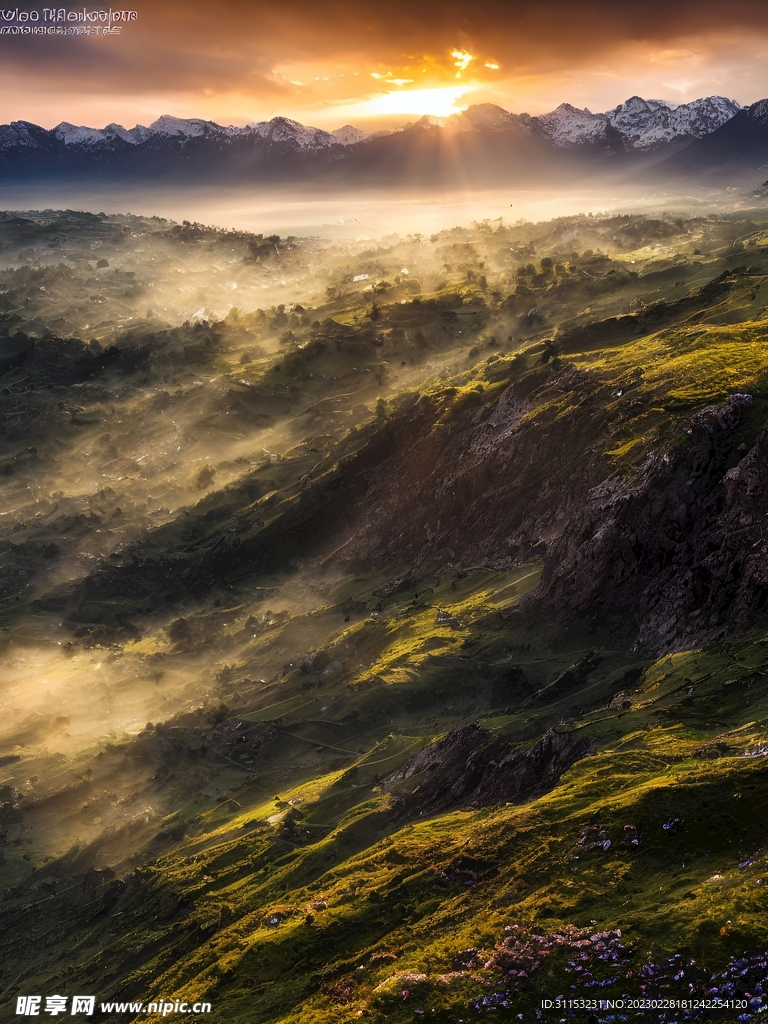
[[79, 135], [647, 123], [738, 145], [568, 126], [22, 135], [190, 128], [642, 124], [282, 130], [278, 130], [636, 124], [348, 135], [70, 148], [488, 142]]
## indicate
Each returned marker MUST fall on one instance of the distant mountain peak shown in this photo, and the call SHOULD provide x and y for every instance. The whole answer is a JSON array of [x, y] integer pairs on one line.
[[643, 123], [567, 126], [758, 111], [80, 135], [191, 127], [283, 130], [485, 115], [348, 135], [488, 138], [648, 123]]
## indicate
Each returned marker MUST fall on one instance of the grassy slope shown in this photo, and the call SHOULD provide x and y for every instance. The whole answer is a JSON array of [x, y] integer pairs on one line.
[[258, 912], [323, 905]]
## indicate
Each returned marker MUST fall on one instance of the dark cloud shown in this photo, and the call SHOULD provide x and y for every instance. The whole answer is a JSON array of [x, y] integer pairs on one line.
[[234, 46], [392, 31]]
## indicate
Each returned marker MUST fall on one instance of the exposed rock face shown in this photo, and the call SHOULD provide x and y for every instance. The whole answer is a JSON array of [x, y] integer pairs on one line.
[[681, 542], [678, 543], [494, 490], [466, 770]]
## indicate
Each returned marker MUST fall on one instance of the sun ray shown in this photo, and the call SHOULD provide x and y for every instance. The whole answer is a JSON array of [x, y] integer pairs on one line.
[[440, 102]]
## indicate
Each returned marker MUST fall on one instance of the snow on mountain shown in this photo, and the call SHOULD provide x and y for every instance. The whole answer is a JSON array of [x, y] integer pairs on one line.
[[758, 112], [348, 135], [635, 115], [283, 129], [190, 127], [635, 125], [643, 123], [703, 116], [132, 137], [74, 135], [648, 123], [80, 135], [20, 133], [139, 133], [568, 126]]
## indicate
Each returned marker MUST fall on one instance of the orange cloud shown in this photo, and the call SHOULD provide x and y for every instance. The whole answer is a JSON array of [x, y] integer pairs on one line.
[[239, 60]]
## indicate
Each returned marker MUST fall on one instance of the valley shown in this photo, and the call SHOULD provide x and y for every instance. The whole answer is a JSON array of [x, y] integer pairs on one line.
[[383, 623]]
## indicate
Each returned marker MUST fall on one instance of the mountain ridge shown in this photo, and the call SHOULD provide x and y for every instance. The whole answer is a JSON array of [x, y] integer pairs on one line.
[[639, 120], [485, 139]]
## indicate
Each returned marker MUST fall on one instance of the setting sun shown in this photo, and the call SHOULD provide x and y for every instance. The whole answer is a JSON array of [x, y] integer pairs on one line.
[[436, 102], [383, 503]]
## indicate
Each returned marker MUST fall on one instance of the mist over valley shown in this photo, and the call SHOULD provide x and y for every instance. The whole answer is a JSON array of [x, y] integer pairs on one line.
[[383, 611]]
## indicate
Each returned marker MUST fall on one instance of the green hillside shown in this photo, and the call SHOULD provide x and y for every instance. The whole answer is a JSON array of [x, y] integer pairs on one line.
[[392, 644]]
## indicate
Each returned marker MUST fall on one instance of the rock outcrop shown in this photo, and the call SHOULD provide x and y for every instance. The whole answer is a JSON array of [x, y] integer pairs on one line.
[[468, 769]]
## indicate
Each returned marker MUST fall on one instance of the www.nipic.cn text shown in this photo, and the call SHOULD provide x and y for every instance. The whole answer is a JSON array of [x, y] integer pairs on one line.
[[32, 1006]]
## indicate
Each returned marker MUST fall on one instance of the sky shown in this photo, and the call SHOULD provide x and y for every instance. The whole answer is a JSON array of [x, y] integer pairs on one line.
[[379, 65]]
